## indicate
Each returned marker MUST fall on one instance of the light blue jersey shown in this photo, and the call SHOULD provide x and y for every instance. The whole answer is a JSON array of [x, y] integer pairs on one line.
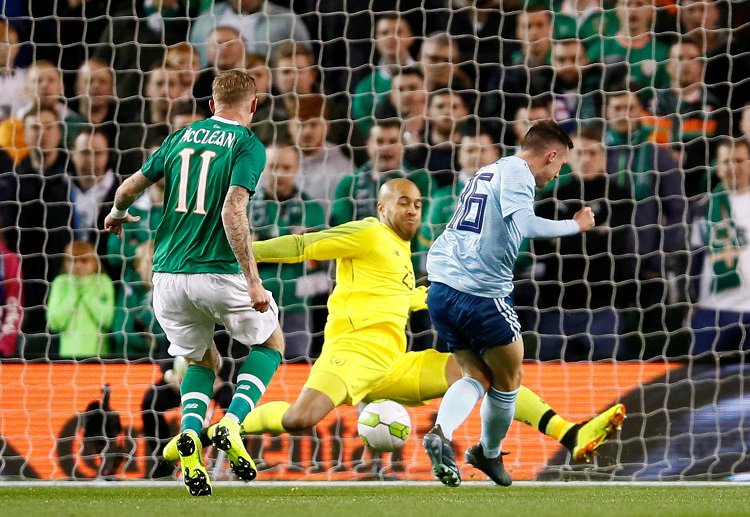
[[477, 251]]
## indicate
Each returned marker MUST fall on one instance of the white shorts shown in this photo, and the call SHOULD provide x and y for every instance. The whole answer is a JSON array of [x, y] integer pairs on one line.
[[188, 306]]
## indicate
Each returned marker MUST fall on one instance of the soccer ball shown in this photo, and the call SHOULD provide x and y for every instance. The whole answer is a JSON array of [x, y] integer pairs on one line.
[[384, 425]]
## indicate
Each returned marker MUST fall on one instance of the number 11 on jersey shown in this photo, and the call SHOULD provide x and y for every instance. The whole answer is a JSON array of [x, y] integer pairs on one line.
[[200, 199]]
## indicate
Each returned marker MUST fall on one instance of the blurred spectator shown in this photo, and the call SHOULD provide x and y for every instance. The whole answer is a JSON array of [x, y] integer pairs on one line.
[[11, 310], [439, 59], [67, 33], [36, 206], [225, 50], [393, 39], [184, 58], [44, 85], [356, 194], [539, 108], [479, 147], [530, 63], [93, 187], [407, 101], [744, 124], [96, 104], [592, 18], [585, 279], [123, 256], [270, 111], [634, 51], [695, 115], [294, 69], [727, 61], [484, 30], [575, 86], [262, 25], [13, 92], [130, 47], [295, 75], [323, 164], [95, 101], [172, 17], [446, 111], [81, 304], [12, 144], [656, 183], [183, 113], [163, 88], [280, 208], [135, 332], [722, 317], [347, 33]]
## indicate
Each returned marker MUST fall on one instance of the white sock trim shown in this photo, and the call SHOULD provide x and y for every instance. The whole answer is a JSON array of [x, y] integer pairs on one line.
[[194, 415], [197, 396], [253, 379], [246, 399]]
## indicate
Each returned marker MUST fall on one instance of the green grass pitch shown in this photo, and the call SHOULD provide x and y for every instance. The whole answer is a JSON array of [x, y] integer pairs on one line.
[[392, 501]]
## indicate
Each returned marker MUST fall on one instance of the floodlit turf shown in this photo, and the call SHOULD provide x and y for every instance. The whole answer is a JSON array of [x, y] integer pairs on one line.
[[392, 501]]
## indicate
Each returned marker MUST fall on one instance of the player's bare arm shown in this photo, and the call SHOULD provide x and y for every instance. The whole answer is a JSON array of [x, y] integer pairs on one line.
[[237, 229], [126, 194]]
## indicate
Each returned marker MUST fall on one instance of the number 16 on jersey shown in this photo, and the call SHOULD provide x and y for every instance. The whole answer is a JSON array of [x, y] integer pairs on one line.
[[469, 214]]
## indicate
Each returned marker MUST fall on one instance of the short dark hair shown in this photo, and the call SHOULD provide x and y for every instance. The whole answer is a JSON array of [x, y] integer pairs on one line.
[[289, 49], [539, 8], [388, 123], [36, 109], [475, 128], [185, 106], [543, 134], [591, 130], [411, 70], [92, 131], [446, 91]]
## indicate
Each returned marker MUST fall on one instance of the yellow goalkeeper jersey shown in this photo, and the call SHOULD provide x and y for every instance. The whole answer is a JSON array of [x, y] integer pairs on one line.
[[374, 274]]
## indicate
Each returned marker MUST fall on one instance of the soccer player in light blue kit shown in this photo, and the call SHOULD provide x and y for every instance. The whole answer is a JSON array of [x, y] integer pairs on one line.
[[470, 267]]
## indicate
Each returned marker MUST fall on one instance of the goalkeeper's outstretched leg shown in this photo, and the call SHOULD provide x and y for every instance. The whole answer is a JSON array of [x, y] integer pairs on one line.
[[429, 373]]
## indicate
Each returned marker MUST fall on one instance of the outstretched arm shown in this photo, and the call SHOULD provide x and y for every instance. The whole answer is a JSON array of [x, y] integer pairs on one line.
[[126, 194], [534, 227], [237, 229], [346, 240]]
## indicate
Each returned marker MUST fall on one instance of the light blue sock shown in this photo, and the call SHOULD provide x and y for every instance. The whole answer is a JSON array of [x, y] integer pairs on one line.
[[497, 410], [458, 403]]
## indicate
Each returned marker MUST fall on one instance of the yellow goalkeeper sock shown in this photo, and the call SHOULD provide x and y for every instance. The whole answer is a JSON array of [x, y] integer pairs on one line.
[[266, 418], [533, 411]]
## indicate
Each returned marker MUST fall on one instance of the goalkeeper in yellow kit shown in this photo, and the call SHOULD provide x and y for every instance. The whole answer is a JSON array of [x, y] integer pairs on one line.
[[364, 357]]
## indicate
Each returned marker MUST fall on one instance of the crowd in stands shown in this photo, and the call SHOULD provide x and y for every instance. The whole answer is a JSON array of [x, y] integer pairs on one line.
[[654, 93]]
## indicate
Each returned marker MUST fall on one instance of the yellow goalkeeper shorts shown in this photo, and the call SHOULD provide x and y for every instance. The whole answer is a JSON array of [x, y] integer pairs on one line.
[[349, 373]]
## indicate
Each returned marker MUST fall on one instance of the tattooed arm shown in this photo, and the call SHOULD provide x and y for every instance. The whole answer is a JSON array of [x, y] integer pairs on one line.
[[237, 229], [126, 194]]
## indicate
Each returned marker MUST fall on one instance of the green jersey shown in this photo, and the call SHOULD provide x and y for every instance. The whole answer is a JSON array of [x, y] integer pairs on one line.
[[647, 62], [199, 164]]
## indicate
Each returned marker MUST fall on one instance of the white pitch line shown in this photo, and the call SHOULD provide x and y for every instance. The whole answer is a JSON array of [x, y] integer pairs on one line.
[[349, 484]]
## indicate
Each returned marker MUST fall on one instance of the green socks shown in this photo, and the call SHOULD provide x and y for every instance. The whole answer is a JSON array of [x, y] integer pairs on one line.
[[197, 388], [254, 375]]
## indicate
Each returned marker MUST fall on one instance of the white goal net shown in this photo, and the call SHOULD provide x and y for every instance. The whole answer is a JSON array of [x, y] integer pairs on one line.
[[651, 308]]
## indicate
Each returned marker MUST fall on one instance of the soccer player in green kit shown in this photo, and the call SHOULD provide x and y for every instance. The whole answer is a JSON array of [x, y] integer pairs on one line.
[[204, 269]]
